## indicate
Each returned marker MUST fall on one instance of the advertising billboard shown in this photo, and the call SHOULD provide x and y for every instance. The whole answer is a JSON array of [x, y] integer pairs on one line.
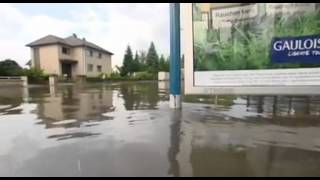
[[251, 48]]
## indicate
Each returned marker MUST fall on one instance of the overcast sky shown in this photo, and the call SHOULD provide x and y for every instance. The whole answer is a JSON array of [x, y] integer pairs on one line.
[[111, 26]]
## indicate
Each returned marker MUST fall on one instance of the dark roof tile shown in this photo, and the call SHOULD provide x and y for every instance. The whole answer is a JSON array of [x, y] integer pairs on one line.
[[71, 41]]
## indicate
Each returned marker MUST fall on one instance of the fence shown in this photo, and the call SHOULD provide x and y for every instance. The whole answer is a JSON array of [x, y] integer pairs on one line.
[[13, 81]]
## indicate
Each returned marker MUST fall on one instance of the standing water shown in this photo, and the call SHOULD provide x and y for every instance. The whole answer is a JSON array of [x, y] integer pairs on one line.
[[127, 129]]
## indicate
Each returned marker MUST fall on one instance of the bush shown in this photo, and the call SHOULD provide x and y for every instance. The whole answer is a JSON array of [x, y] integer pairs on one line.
[[110, 76], [144, 76], [115, 76], [35, 75]]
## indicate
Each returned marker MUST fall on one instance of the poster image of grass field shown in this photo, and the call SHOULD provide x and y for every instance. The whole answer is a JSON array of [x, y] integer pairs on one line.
[[240, 36]]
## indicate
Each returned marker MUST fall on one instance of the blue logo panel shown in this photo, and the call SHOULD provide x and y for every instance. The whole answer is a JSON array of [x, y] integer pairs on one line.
[[302, 49]]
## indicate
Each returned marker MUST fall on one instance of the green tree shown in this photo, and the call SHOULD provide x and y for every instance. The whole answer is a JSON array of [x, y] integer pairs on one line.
[[127, 63], [142, 61], [136, 63], [10, 67], [152, 59], [163, 64]]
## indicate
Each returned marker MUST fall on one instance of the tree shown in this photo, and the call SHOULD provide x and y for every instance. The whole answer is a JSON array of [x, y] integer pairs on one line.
[[142, 61], [10, 67], [136, 63], [163, 64], [167, 65], [152, 59], [127, 63]]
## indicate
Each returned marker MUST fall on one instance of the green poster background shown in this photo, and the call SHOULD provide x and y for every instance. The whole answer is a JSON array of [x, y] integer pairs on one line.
[[246, 44]]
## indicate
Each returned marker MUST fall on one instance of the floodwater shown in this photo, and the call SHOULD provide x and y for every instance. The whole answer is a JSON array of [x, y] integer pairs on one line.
[[127, 129]]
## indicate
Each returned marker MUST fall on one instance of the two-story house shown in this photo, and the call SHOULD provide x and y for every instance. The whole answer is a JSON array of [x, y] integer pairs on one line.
[[70, 56]]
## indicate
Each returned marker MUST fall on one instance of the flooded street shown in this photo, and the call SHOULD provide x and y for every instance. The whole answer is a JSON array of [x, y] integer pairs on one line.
[[127, 129]]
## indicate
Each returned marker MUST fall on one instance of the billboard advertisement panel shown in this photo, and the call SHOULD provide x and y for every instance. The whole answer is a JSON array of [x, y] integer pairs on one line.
[[251, 46]]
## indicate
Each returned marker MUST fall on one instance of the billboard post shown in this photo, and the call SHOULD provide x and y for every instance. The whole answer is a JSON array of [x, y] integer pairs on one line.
[[175, 69]]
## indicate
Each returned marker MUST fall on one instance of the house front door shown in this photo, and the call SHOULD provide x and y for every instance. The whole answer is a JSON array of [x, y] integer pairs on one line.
[[66, 70]]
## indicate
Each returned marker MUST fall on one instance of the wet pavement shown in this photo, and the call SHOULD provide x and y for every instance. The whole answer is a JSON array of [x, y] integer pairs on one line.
[[127, 129]]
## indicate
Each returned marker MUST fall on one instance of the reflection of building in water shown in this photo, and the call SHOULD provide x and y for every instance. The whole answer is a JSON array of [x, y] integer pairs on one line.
[[163, 90], [224, 147], [270, 106], [163, 85], [259, 143], [95, 103], [220, 100], [263, 151], [70, 103], [284, 105], [52, 108]]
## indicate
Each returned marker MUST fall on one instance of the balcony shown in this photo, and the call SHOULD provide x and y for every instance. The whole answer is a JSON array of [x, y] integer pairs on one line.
[[68, 60]]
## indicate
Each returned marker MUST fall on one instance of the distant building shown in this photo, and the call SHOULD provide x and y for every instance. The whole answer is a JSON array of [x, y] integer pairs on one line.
[[70, 56]]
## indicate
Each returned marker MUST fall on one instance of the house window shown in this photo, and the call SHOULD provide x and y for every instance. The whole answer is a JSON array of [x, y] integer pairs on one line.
[[91, 53], [100, 56], [90, 67], [65, 50], [99, 68]]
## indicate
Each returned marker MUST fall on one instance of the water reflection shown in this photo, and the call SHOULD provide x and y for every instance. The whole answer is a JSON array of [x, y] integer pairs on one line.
[[141, 96], [107, 129], [8, 104], [265, 106], [73, 135], [241, 149], [71, 103], [284, 105], [174, 147], [61, 107], [251, 136]]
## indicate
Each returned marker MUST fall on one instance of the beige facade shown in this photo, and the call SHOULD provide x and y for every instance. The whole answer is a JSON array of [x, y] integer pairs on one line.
[[93, 59], [48, 59], [66, 59]]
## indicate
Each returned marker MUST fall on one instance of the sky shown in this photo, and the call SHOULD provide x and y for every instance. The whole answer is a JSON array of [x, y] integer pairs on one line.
[[112, 26]]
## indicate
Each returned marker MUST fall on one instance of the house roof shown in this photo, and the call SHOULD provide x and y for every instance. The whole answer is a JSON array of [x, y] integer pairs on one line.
[[28, 63], [70, 41]]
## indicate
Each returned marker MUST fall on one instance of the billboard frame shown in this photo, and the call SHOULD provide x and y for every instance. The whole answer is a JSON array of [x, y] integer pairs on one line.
[[189, 73]]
